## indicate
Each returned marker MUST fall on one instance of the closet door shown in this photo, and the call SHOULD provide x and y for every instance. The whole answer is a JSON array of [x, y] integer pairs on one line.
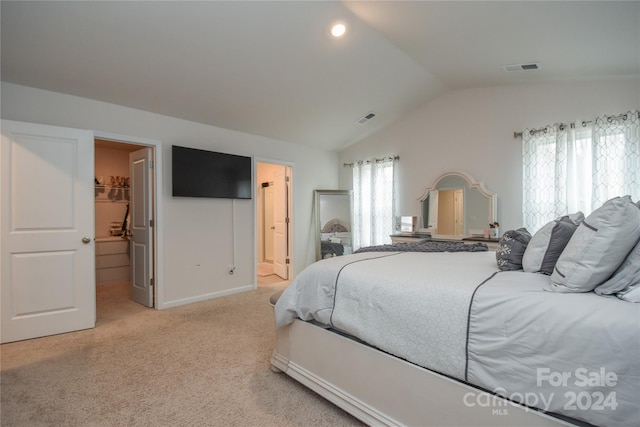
[[141, 289], [47, 225], [281, 224]]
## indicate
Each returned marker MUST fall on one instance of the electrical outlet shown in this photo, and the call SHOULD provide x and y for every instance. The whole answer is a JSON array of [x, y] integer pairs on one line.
[[232, 269]]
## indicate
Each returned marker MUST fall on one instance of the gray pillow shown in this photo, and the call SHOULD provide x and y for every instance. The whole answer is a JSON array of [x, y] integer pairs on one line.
[[627, 275], [547, 244], [598, 247], [511, 248], [632, 294]]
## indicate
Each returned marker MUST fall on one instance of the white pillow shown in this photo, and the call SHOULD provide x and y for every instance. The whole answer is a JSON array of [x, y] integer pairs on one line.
[[547, 244], [598, 247]]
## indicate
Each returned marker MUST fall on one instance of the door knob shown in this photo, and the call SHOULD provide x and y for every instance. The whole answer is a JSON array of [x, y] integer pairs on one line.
[[86, 240]]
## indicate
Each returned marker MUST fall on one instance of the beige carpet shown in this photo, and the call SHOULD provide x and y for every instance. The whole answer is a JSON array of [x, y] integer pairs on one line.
[[204, 364]]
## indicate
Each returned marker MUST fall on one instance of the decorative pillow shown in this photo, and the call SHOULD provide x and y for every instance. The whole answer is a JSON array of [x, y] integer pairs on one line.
[[511, 248], [547, 244], [598, 247], [627, 275]]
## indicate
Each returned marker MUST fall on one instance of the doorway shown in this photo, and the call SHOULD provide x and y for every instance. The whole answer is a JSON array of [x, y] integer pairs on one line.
[[118, 177], [52, 285], [273, 223]]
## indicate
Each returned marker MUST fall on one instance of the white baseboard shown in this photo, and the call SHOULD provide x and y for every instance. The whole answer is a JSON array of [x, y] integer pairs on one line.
[[183, 301]]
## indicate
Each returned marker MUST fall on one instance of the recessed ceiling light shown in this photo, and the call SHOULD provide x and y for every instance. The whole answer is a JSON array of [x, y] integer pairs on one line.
[[338, 30]]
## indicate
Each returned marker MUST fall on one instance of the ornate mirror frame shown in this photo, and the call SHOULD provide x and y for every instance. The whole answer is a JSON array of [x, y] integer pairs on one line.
[[332, 222], [471, 185]]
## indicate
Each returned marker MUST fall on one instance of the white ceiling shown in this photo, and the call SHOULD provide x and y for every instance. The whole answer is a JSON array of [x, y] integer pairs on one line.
[[270, 68]]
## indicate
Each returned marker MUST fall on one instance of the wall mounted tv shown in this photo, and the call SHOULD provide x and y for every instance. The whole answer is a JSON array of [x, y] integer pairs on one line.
[[201, 173]]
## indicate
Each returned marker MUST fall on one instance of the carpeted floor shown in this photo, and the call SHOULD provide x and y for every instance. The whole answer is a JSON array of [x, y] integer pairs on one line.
[[203, 364]]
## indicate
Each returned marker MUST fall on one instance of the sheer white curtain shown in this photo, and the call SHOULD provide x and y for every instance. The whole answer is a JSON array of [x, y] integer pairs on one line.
[[373, 202], [578, 168]]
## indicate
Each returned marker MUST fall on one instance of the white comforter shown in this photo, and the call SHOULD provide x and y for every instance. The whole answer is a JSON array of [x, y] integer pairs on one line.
[[574, 354], [429, 302], [454, 313]]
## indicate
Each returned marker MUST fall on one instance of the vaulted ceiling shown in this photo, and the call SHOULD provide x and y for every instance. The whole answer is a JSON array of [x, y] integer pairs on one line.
[[271, 68]]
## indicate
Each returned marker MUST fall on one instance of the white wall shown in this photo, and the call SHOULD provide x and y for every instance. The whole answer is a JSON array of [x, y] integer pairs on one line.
[[197, 233], [472, 130]]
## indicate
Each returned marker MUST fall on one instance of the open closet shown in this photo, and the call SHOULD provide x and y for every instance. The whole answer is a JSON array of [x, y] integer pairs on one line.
[[112, 197]]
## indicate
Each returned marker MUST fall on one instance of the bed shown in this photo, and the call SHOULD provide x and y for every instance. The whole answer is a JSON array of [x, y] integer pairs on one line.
[[329, 248], [335, 239], [410, 337]]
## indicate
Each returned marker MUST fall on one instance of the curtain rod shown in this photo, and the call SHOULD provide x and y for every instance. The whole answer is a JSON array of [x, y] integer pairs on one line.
[[584, 124], [377, 159]]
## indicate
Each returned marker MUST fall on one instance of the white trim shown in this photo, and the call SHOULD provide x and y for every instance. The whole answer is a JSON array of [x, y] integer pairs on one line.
[[158, 273], [338, 397], [473, 183], [183, 301]]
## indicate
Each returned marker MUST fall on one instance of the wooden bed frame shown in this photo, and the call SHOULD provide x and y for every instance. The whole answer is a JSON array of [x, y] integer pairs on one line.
[[382, 390]]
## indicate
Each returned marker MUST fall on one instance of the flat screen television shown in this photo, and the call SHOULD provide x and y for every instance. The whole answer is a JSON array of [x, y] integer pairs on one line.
[[202, 173]]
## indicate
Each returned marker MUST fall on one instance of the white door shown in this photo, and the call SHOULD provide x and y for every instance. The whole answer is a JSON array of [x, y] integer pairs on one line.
[[141, 165], [281, 223], [47, 225], [268, 226], [446, 212]]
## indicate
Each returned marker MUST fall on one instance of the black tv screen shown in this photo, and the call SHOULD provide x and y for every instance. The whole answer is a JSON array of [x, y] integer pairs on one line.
[[201, 173]]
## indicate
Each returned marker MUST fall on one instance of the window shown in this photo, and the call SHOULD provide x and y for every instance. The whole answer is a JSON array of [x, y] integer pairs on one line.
[[579, 167], [373, 202]]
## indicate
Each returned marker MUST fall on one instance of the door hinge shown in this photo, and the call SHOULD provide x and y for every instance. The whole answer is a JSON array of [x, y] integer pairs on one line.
[[286, 261], [151, 282], [286, 220], [150, 223], [286, 179], [150, 164]]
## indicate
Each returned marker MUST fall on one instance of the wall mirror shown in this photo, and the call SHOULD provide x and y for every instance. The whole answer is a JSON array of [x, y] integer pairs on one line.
[[457, 205], [333, 223]]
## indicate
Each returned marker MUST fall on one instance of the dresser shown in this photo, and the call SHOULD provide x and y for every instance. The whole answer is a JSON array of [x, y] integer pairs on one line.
[[112, 259]]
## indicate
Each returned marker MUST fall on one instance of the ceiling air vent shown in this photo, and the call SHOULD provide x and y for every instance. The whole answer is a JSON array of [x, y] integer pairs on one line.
[[521, 67], [364, 119]]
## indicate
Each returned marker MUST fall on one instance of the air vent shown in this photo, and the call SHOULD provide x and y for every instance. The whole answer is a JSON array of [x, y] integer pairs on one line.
[[365, 119], [521, 67]]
